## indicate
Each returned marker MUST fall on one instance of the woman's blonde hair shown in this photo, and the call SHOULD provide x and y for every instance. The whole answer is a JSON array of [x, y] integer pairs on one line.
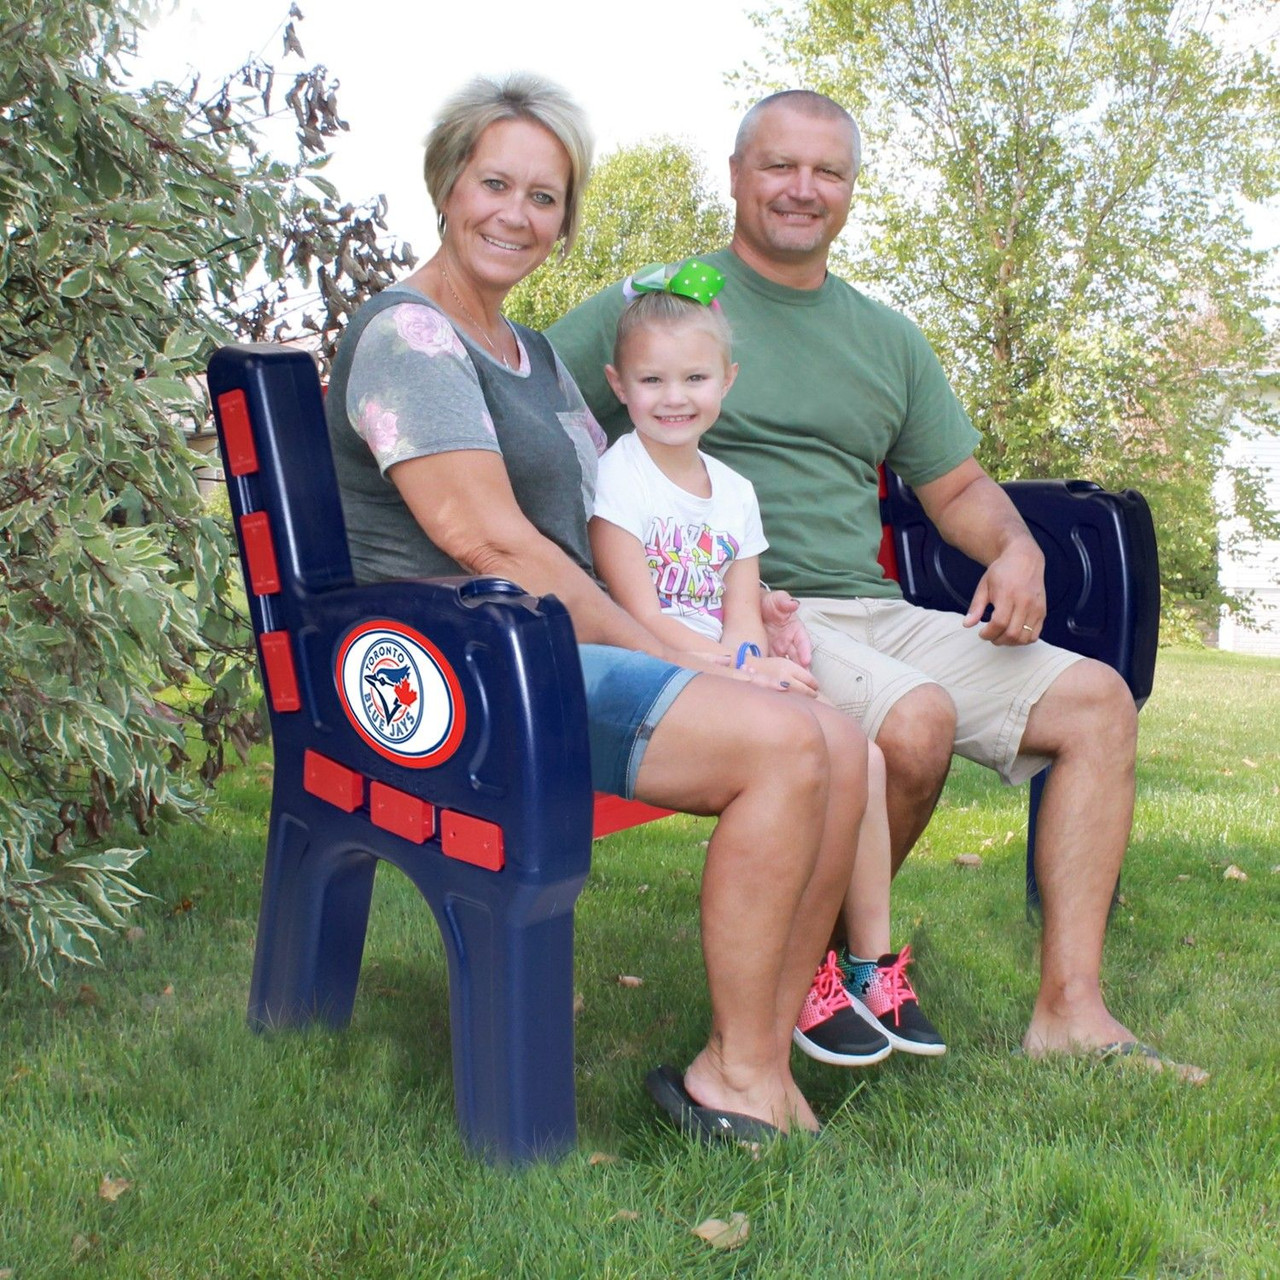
[[663, 310], [519, 96]]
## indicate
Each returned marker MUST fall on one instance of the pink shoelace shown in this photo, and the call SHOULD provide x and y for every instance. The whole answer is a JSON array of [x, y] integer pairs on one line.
[[826, 995], [895, 986]]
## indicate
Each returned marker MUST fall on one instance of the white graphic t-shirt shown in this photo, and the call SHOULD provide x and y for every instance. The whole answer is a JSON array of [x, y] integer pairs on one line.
[[689, 542]]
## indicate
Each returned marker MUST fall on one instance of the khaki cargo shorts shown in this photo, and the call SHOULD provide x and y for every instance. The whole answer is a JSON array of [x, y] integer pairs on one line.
[[867, 653]]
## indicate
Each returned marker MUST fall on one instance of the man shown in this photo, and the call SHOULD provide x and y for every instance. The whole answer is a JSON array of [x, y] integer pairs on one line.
[[831, 384]]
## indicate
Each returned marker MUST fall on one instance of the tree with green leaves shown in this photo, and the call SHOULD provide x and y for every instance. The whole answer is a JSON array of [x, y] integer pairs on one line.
[[1053, 189], [647, 203], [139, 228]]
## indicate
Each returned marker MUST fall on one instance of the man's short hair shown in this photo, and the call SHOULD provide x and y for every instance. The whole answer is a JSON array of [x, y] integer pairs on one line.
[[520, 96], [807, 102]]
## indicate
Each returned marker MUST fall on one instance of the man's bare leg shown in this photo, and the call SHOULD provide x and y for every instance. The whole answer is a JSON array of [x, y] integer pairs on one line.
[[760, 761], [917, 738], [1087, 722]]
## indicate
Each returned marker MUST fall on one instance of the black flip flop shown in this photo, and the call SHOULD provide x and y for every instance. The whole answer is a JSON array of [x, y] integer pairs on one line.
[[665, 1085]]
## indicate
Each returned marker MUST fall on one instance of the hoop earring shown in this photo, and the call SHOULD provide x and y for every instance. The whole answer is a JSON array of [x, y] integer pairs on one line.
[[440, 225]]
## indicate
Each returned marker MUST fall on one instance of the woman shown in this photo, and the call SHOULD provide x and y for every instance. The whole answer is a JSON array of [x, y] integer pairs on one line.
[[462, 445]]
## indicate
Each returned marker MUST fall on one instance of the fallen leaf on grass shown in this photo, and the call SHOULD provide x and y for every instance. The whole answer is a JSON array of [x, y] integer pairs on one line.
[[968, 860], [1183, 877], [1234, 873], [724, 1235], [135, 933], [111, 1189], [629, 980], [601, 1157], [625, 1215], [1251, 764], [87, 996], [579, 1003], [167, 993], [82, 1244], [1189, 940]]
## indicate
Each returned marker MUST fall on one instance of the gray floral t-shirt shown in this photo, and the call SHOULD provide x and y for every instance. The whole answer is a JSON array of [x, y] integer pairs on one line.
[[406, 384]]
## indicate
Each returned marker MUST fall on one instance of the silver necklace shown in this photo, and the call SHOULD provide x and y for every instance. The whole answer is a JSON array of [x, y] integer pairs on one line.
[[475, 324]]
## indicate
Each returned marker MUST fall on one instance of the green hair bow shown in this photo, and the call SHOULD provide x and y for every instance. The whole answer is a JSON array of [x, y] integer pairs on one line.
[[689, 279]]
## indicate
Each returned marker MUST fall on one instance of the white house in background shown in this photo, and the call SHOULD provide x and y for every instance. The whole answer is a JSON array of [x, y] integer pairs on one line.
[[1253, 566]]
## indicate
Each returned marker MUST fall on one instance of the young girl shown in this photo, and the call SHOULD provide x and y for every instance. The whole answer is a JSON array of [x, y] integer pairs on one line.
[[676, 537]]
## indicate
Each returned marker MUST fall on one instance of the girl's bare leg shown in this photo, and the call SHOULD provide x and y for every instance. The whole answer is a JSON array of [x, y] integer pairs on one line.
[[866, 904]]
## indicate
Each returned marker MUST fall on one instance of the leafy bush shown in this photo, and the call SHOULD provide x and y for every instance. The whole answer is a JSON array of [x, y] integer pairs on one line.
[[130, 223]]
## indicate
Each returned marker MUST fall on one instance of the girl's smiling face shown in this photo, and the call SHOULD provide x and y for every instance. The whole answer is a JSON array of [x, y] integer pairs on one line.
[[672, 379]]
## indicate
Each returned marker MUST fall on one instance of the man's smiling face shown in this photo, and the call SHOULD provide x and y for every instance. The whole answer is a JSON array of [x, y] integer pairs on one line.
[[792, 184]]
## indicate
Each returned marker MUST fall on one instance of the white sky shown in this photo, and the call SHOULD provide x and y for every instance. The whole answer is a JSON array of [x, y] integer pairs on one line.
[[640, 71]]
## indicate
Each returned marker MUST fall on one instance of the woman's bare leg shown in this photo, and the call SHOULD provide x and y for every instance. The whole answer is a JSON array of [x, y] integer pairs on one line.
[[771, 885]]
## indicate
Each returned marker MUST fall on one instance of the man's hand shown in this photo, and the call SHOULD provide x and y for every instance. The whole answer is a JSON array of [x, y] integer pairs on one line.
[[787, 635], [1013, 587]]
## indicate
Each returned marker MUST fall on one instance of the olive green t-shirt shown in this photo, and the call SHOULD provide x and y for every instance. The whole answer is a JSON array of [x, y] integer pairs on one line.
[[831, 383]]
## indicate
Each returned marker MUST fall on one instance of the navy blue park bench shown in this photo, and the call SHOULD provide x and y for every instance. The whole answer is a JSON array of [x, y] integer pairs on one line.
[[440, 726]]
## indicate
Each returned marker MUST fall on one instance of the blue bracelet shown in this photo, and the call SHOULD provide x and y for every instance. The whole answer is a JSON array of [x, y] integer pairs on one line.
[[745, 650]]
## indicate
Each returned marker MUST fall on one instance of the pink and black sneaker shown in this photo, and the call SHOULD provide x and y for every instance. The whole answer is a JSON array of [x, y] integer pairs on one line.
[[881, 992], [830, 1029]]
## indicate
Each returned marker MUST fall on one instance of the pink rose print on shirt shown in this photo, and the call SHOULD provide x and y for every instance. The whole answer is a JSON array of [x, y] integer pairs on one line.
[[583, 420], [379, 427], [428, 331]]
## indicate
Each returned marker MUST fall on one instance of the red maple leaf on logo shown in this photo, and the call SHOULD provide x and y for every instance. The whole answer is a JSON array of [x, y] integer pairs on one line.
[[405, 694]]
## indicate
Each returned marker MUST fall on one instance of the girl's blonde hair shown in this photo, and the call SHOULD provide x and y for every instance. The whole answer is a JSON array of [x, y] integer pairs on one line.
[[663, 310]]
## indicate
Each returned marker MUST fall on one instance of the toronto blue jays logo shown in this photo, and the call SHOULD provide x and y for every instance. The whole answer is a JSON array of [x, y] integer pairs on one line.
[[400, 693], [390, 690]]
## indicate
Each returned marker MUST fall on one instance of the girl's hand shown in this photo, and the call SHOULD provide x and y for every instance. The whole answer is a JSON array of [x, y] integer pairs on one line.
[[782, 673]]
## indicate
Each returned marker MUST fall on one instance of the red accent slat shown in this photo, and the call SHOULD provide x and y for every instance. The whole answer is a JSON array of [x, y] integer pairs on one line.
[[332, 781], [400, 813], [888, 557], [260, 552], [471, 840], [282, 677], [613, 813], [237, 432]]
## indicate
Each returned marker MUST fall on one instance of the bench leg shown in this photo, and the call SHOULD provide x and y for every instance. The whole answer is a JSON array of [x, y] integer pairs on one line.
[[311, 926], [1033, 811], [511, 1013]]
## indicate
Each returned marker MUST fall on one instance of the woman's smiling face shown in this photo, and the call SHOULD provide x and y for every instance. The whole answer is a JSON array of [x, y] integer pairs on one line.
[[507, 209]]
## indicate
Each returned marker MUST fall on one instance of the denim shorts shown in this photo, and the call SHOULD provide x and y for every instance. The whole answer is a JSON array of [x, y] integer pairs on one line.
[[628, 692]]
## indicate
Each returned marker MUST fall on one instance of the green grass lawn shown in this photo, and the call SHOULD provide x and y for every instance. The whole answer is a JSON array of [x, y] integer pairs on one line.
[[336, 1154]]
